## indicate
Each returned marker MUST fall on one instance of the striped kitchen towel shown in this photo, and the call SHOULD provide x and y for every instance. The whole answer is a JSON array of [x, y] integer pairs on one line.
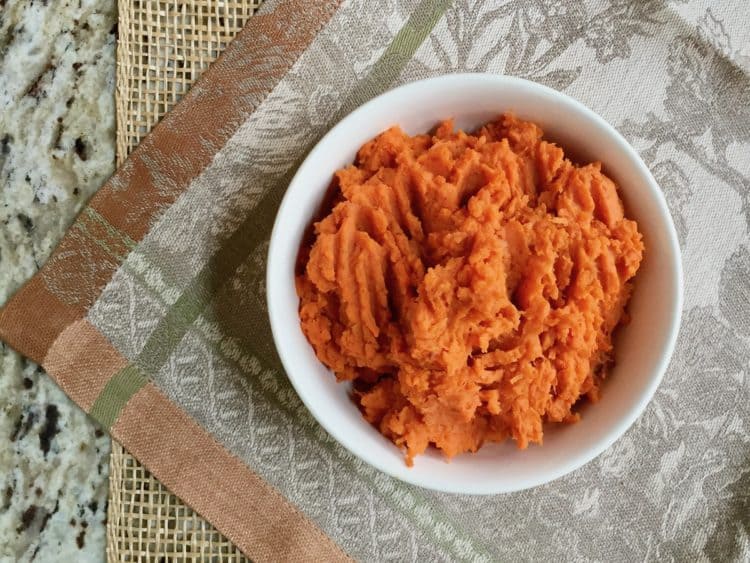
[[151, 312]]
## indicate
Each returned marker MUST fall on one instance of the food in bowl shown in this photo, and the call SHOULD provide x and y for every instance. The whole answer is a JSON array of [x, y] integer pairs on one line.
[[468, 284]]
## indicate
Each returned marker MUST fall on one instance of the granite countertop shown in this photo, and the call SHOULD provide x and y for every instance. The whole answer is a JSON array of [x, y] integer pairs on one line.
[[57, 124]]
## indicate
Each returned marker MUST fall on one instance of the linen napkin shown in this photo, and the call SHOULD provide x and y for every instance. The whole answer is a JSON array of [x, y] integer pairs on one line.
[[151, 312]]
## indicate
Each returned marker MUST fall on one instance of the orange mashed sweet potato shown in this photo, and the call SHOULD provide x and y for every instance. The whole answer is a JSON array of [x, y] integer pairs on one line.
[[467, 284]]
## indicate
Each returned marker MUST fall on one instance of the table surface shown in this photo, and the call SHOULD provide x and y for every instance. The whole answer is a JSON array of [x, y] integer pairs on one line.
[[57, 136]]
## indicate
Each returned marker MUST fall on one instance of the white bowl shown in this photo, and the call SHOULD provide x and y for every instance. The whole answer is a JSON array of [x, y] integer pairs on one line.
[[643, 347]]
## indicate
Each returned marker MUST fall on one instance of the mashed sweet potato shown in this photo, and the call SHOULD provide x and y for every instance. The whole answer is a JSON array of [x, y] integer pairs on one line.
[[468, 284]]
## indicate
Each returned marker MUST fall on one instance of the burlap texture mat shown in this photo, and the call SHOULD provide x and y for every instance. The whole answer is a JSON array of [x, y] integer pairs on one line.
[[162, 49]]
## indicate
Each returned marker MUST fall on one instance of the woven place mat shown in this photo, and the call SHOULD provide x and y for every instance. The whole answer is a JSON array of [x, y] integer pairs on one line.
[[162, 49]]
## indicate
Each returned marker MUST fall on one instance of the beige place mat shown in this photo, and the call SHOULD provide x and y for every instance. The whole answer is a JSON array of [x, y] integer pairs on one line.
[[162, 49]]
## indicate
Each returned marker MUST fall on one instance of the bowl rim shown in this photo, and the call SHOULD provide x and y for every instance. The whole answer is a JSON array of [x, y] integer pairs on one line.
[[620, 427]]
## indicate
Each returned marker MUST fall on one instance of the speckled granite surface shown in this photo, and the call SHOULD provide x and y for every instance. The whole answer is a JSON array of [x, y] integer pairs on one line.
[[57, 122]]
